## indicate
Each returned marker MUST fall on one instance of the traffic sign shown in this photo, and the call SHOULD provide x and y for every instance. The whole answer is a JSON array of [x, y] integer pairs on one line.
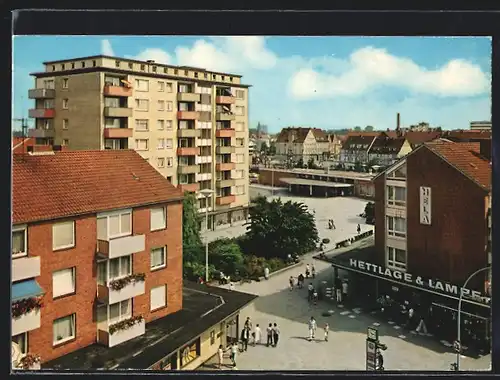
[[371, 355], [457, 346], [372, 334]]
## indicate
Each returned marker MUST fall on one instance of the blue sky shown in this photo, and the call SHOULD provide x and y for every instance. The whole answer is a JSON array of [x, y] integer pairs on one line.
[[323, 82]]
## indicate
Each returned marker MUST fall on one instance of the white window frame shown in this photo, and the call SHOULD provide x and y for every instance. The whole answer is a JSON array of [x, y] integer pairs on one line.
[[161, 105], [160, 162], [164, 287], [119, 213], [137, 87], [240, 94], [54, 248], [169, 105], [142, 150], [164, 265], [393, 201], [160, 124], [160, 144], [65, 83], [141, 122], [138, 102], [24, 229], [130, 268], [393, 232], [161, 86], [73, 320], [122, 316], [65, 104], [169, 125], [167, 145], [393, 264], [73, 291], [65, 124], [169, 87], [164, 225]]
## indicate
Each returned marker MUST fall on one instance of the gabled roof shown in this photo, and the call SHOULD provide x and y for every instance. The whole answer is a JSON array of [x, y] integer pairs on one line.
[[72, 183], [386, 145], [416, 138], [353, 141], [462, 156], [293, 135], [363, 133], [320, 135]]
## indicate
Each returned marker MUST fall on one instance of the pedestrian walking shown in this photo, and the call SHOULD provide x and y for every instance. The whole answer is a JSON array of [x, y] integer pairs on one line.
[[300, 281], [315, 297], [234, 353], [308, 272], [312, 328], [422, 328], [345, 289], [269, 335], [327, 330], [290, 280], [244, 338], [231, 286], [266, 273], [338, 289], [313, 271], [248, 323], [359, 229], [310, 291], [276, 334], [257, 335], [333, 225], [220, 353]]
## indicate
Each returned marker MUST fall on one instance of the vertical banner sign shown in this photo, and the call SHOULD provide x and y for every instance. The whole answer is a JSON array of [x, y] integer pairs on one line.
[[425, 205], [371, 350]]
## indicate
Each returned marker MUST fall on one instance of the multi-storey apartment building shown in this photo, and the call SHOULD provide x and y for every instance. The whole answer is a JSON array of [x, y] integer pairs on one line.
[[96, 251], [189, 123]]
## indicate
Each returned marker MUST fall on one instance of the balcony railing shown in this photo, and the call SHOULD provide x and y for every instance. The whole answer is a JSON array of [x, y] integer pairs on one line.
[[25, 267], [225, 166], [188, 97], [187, 115], [188, 151], [108, 295], [225, 182], [225, 149], [122, 335], [42, 113], [190, 187], [188, 169], [225, 116], [110, 90], [42, 93], [225, 200], [203, 177], [187, 133], [225, 132], [118, 133], [117, 112], [41, 133], [225, 99], [123, 246], [26, 322]]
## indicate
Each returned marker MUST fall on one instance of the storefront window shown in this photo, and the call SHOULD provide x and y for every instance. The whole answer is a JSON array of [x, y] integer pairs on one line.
[[396, 258], [190, 352]]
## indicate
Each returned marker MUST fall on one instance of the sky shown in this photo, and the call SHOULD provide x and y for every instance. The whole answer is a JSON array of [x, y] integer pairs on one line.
[[321, 82]]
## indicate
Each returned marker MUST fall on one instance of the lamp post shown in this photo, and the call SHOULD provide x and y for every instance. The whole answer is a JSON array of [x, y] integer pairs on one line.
[[207, 193], [459, 329]]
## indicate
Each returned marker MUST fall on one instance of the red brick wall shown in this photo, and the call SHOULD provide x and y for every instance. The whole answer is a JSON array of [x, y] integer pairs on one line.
[[266, 177], [454, 245], [379, 184], [83, 256]]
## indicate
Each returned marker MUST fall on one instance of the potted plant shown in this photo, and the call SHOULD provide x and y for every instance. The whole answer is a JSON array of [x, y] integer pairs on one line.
[[125, 324], [29, 361], [25, 305], [122, 282]]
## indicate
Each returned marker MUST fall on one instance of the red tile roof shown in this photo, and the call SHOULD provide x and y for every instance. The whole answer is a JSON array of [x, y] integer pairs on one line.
[[293, 135], [74, 183], [416, 138], [384, 144], [465, 160]]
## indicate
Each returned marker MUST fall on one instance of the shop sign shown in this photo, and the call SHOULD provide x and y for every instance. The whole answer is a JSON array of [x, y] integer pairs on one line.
[[425, 205], [371, 355], [417, 280]]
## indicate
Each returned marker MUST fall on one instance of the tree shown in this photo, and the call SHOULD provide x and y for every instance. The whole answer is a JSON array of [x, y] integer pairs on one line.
[[311, 164], [277, 229], [192, 246], [264, 148], [357, 129], [369, 128], [370, 212], [225, 254], [272, 149], [300, 163]]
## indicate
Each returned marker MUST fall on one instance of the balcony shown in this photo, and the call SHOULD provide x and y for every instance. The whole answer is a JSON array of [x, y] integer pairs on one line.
[[122, 246], [42, 93], [228, 199], [117, 91], [118, 133], [225, 183], [203, 177], [222, 167], [188, 97], [41, 133], [117, 112], [42, 113], [25, 267], [189, 187], [188, 133], [187, 115], [225, 100], [204, 142], [108, 295], [199, 125], [120, 336], [203, 159], [191, 151], [226, 132], [188, 169], [223, 116], [225, 149], [26, 322]]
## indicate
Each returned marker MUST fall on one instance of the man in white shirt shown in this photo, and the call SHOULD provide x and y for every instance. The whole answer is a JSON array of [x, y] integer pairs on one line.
[[312, 328]]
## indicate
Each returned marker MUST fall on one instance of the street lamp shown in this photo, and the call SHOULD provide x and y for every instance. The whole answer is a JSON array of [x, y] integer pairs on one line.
[[457, 367], [207, 193]]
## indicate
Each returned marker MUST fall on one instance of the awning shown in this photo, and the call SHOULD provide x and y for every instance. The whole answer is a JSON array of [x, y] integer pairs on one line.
[[25, 289]]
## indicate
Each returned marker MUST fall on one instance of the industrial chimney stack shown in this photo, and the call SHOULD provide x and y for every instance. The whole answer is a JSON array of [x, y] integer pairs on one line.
[[398, 122]]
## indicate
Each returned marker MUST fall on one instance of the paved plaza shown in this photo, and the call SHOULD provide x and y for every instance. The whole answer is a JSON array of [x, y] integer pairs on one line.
[[343, 210]]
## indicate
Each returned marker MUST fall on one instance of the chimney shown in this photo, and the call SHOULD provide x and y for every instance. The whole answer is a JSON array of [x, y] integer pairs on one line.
[[485, 148], [398, 122]]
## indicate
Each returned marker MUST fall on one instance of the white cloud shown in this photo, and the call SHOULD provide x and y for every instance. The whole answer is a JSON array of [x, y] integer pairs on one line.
[[157, 55], [371, 67], [106, 48]]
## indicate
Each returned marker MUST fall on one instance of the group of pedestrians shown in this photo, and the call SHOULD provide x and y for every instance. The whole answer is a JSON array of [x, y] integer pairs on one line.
[[312, 326]]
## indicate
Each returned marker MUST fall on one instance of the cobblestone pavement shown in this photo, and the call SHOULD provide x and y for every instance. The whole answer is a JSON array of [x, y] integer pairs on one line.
[[345, 349]]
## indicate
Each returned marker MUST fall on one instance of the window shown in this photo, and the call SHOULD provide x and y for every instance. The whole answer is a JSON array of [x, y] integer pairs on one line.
[[63, 66], [214, 77], [161, 86], [141, 85], [230, 79], [73, 64], [120, 311], [190, 353], [111, 102], [239, 110], [160, 162], [143, 67], [240, 158], [64, 329], [142, 125], [65, 83], [169, 87], [170, 162], [176, 72], [239, 190], [19, 246], [22, 342], [65, 142], [169, 125], [396, 196], [160, 125], [396, 226], [113, 225], [169, 143], [396, 258], [102, 272], [65, 124], [63, 235], [63, 282], [223, 77], [130, 65], [53, 67], [83, 64], [399, 173], [240, 126], [240, 94], [186, 73], [161, 105], [48, 84], [158, 258], [154, 69], [161, 144], [158, 297], [196, 75], [212, 337], [158, 218], [170, 106], [120, 267], [240, 142], [142, 104], [238, 174], [65, 104], [165, 70], [205, 76]]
